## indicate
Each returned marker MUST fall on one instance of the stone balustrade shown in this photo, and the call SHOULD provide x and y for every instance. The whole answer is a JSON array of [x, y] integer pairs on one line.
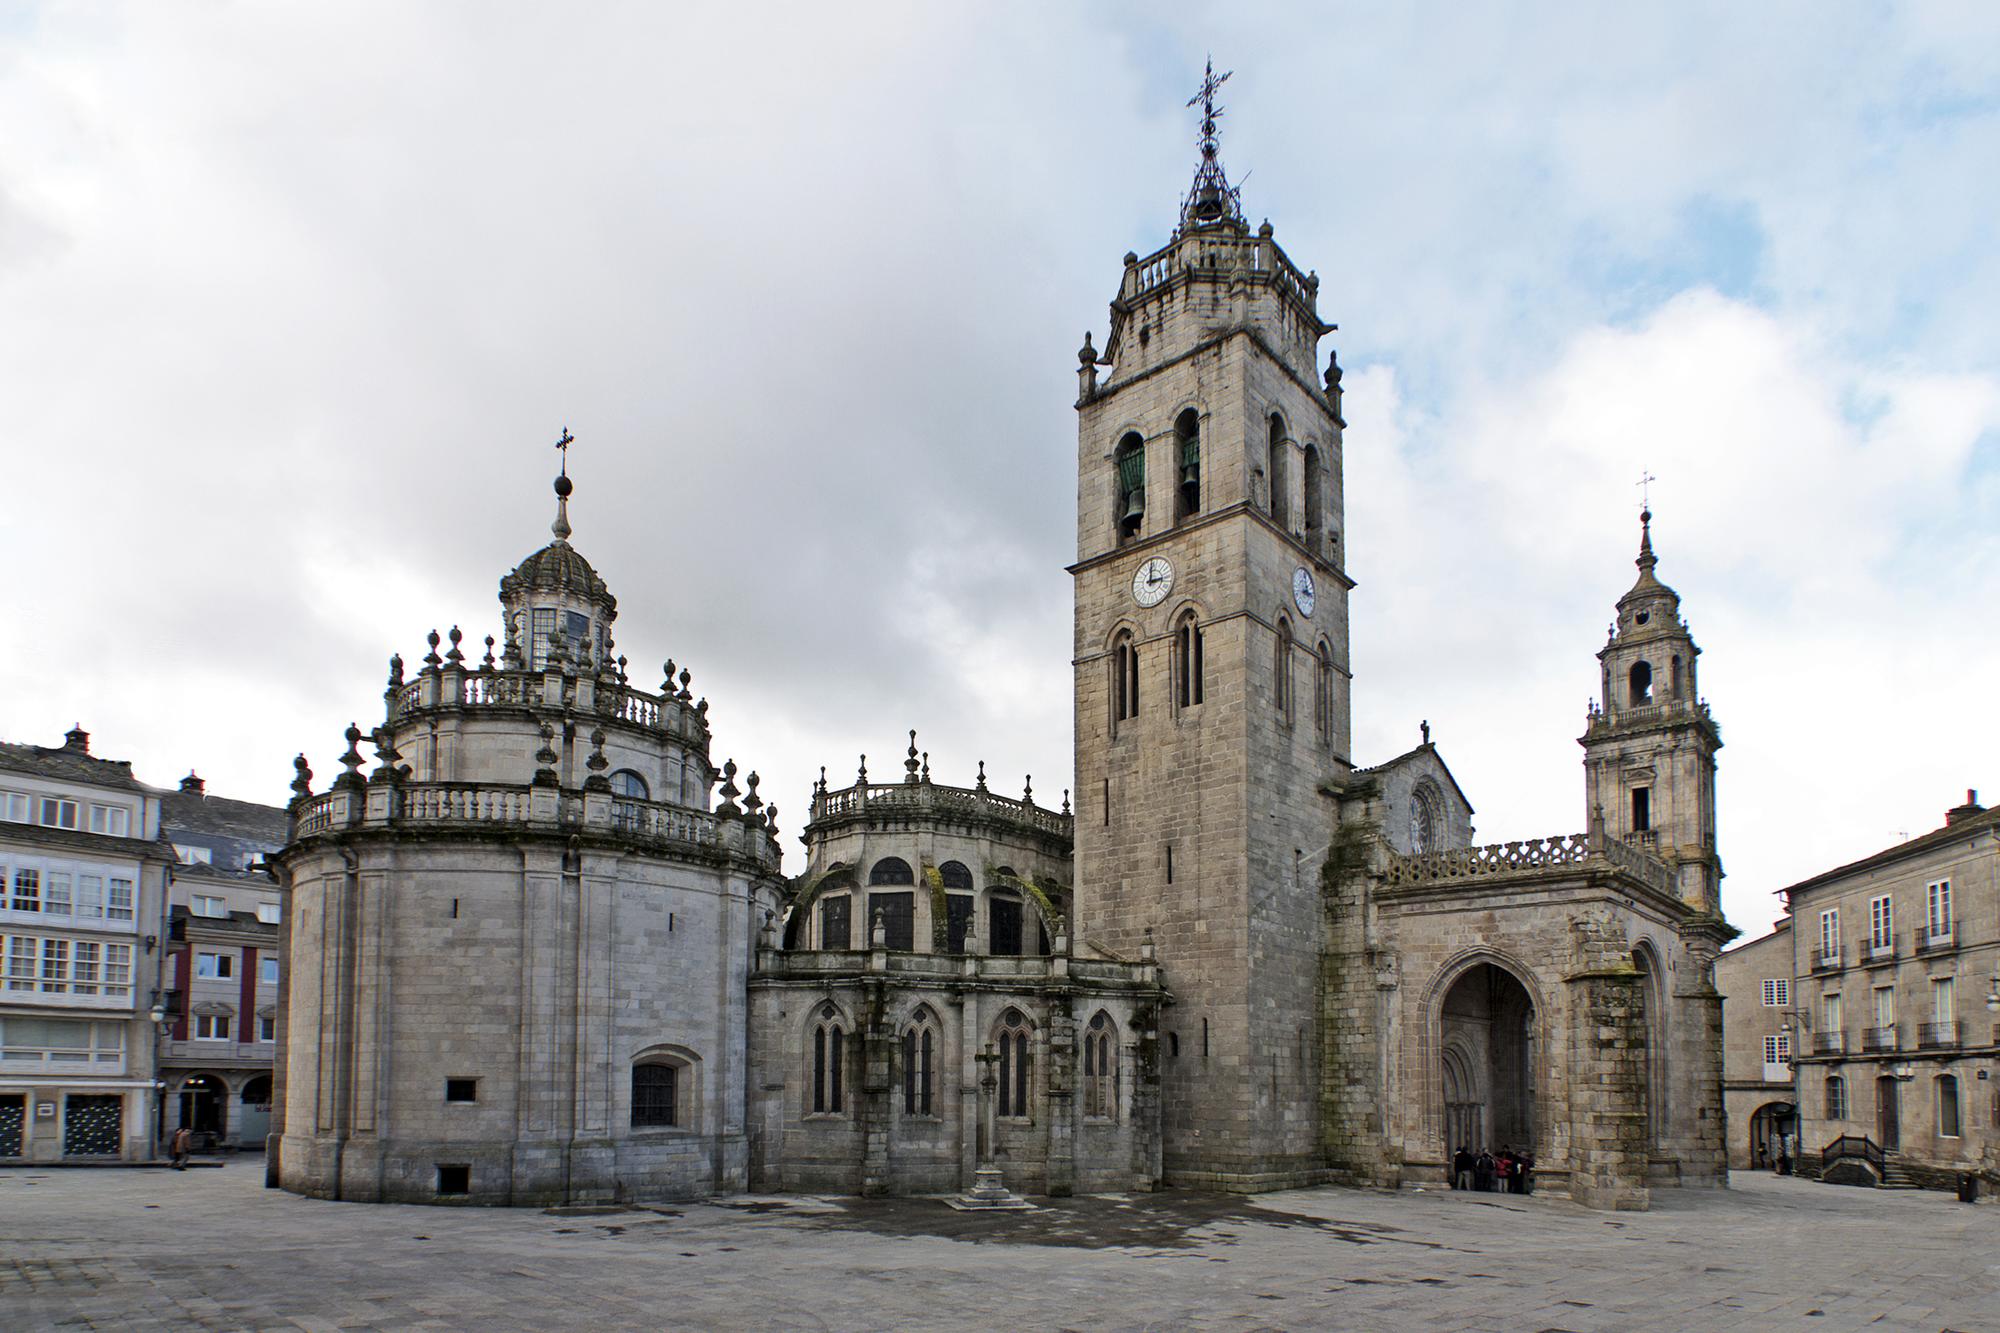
[[1533, 854], [927, 798], [442, 805], [476, 688], [1220, 249]]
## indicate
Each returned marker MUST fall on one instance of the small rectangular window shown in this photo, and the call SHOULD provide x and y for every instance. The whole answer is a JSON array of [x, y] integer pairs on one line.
[[1881, 923], [27, 890], [211, 1027], [90, 897], [1829, 934], [1778, 1049], [1777, 992], [214, 966], [208, 905], [461, 1089], [267, 1027], [119, 905], [454, 1179], [1938, 899], [111, 820], [268, 913], [267, 971], [1642, 809], [56, 893], [58, 813], [14, 807]]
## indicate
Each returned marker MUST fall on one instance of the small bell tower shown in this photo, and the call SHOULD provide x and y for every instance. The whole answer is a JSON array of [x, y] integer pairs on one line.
[[1649, 747]]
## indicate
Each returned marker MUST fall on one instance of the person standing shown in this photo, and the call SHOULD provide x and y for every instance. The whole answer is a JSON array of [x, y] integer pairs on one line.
[[1461, 1169], [180, 1146]]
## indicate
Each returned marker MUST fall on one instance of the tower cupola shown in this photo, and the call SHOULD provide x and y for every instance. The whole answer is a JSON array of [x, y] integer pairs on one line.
[[554, 601]]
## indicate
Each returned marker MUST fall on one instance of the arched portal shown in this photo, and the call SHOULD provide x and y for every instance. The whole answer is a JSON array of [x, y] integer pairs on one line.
[[1487, 1053], [1771, 1129], [204, 1104]]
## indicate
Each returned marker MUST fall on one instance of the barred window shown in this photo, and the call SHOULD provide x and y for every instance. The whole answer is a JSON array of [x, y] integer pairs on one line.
[[655, 1096]]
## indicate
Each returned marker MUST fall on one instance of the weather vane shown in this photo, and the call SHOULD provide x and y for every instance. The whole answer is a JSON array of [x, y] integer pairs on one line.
[[1211, 198]]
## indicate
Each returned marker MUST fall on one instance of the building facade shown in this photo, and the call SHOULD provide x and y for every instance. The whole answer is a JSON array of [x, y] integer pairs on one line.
[[533, 962], [1755, 980], [82, 916], [1896, 1000], [224, 963]]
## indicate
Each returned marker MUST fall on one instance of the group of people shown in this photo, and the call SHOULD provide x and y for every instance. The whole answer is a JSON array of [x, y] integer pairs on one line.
[[1509, 1172]]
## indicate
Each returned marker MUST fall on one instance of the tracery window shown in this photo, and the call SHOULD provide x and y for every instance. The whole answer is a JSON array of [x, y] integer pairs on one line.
[[1124, 679], [829, 1057], [1188, 667], [920, 1042], [1015, 1064], [1100, 1068]]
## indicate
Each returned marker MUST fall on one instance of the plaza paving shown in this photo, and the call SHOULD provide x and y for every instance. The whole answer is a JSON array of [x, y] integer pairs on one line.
[[214, 1249]]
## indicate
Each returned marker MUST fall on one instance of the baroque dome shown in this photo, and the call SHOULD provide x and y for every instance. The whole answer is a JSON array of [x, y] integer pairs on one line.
[[557, 567]]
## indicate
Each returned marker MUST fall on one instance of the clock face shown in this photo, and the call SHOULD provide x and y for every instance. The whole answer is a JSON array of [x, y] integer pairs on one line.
[[1153, 582], [1302, 590]]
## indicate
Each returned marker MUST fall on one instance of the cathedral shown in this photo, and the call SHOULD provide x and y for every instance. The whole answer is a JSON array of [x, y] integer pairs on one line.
[[543, 950]]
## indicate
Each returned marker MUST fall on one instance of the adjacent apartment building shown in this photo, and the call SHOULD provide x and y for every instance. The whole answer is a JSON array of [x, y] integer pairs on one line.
[[82, 905], [224, 961], [1755, 980], [1896, 997]]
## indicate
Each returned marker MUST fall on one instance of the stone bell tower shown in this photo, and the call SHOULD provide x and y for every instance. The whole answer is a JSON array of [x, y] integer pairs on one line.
[[1649, 748], [1212, 674]]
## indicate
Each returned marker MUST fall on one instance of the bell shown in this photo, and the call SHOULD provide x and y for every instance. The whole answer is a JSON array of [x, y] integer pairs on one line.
[[1135, 504]]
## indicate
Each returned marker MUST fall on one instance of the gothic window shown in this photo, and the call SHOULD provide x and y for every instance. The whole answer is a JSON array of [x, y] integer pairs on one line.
[[1188, 669], [1187, 451], [1100, 1068], [1015, 1064], [1642, 684], [892, 870], [1281, 671], [836, 928], [1323, 692], [898, 914], [1130, 461], [654, 1096], [1124, 679], [1281, 509], [1947, 1106], [1836, 1097], [1315, 499], [920, 1042], [627, 783], [829, 1056], [1003, 923]]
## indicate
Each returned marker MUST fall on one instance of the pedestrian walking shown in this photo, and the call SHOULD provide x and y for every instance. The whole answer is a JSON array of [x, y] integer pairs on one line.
[[180, 1146]]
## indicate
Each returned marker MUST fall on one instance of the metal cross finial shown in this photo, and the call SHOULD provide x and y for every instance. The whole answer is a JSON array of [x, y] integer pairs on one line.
[[563, 444], [1211, 83], [1645, 484]]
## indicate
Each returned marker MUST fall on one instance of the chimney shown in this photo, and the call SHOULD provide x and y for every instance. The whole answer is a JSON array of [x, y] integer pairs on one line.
[[1966, 811], [77, 739], [192, 784]]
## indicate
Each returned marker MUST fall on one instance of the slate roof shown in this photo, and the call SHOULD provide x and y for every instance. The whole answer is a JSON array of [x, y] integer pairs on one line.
[[237, 831], [1965, 828], [67, 763]]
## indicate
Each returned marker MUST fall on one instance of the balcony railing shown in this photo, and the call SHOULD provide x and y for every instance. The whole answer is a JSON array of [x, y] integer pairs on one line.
[[1829, 1043], [1933, 1035], [1826, 959], [1928, 940], [1879, 951], [1878, 1039]]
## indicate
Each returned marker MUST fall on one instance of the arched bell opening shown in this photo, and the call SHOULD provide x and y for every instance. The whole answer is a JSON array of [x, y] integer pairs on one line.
[[1488, 1062]]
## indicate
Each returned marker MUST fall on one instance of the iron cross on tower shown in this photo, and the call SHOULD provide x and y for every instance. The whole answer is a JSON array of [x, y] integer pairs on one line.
[[1645, 484], [1211, 83], [563, 444], [1211, 198]]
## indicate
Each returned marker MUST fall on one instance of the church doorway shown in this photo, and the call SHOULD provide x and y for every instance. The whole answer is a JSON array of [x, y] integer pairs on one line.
[[1487, 1062]]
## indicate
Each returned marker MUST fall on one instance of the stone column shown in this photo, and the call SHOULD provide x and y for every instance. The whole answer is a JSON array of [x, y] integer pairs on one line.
[[1061, 1144], [1607, 1088], [874, 1114]]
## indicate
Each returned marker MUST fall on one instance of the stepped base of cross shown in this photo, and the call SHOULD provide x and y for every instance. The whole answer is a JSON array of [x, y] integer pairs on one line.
[[988, 1194]]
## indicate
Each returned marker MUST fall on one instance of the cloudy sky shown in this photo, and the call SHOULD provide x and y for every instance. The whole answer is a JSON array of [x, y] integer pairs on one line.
[[293, 302]]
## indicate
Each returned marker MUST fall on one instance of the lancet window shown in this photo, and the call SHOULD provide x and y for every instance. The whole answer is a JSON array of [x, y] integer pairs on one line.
[[1100, 1068], [1187, 458], [1130, 463], [829, 1058], [1188, 670], [1015, 1064], [920, 1049], [1275, 472]]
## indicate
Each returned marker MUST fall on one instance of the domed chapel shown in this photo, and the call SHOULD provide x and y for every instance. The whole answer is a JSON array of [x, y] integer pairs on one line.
[[542, 950]]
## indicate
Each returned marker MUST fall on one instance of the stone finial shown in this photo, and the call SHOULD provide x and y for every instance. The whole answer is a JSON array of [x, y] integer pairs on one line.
[[455, 657], [1086, 355], [927, 768], [729, 791], [487, 663], [861, 779], [752, 802], [1086, 370], [1028, 790], [545, 759], [386, 755], [981, 784], [687, 677], [878, 932], [667, 684], [395, 671], [1065, 808], [701, 709], [597, 763], [302, 778], [621, 668], [352, 760], [771, 818], [910, 764], [1333, 392], [431, 658]]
